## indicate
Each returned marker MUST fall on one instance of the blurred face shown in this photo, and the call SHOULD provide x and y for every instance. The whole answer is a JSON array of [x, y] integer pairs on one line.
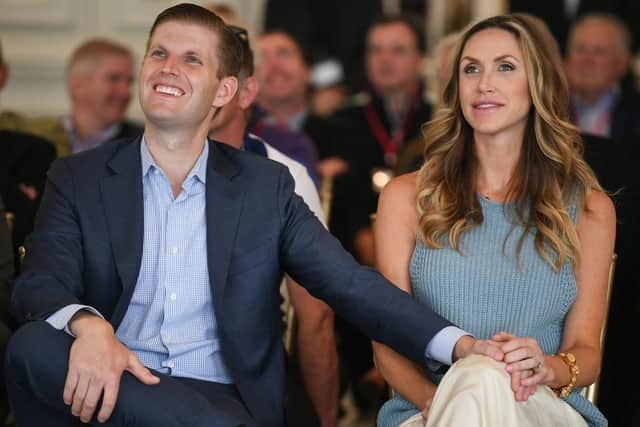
[[106, 91], [178, 84], [494, 93], [393, 60], [281, 71], [596, 59]]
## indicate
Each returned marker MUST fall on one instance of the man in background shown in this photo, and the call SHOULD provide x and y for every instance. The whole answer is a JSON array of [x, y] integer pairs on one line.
[[598, 57], [99, 78]]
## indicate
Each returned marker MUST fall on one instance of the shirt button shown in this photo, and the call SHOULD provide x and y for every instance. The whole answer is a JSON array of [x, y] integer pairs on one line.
[[170, 365], [167, 339], [174, 250], [173, 296]]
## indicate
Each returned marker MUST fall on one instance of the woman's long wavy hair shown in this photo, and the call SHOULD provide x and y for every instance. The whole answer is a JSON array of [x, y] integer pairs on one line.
[[550, 175]]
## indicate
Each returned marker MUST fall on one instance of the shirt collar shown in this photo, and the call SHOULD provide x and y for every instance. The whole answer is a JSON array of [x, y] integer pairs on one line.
[[606, 101], [199, 169], [294, 123], [80, 144]]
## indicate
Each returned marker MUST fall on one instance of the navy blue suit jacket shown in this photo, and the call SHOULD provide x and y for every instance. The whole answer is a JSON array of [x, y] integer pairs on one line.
[[87, 248]]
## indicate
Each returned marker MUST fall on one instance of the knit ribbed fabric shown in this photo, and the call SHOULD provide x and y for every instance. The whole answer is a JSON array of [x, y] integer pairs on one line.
[[487, 287]]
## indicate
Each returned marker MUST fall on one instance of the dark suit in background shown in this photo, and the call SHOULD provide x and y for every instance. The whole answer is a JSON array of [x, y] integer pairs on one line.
[[6, 279], [24, 160], [625, 118]]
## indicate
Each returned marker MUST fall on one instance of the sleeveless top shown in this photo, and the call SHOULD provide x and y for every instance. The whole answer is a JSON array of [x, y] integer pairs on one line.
[[487, 287]]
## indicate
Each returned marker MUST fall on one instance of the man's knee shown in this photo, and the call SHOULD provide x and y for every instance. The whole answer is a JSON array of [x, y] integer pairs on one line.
[[30, 344]]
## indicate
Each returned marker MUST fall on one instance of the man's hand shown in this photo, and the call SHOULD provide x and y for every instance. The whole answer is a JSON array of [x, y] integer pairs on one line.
[[467, 345], [96, 363]]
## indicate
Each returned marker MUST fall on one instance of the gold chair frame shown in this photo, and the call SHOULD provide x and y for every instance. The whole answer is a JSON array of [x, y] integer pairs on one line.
[[10, 218], [591, 392]]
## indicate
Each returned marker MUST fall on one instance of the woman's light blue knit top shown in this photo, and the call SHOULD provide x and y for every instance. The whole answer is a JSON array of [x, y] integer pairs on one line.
[[487, 288]]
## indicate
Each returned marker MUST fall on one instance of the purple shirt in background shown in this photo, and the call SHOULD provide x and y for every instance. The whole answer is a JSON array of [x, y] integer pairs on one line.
[[293, 143]]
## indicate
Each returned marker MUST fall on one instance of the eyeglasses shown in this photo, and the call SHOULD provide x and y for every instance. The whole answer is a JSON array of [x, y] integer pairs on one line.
[[240, 32]]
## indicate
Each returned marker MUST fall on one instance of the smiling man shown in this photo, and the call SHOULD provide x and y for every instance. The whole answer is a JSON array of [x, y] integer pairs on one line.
[[150, 290]]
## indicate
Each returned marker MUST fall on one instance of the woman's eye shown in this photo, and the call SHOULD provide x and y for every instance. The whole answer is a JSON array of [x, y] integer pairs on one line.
[[469, 69], [506, 67]]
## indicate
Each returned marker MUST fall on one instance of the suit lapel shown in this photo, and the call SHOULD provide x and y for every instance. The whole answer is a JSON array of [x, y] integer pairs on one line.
[[124, 211], [225, 195]]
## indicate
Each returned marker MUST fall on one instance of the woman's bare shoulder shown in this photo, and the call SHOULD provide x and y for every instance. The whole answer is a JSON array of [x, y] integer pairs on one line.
[[399, 198], [599, 207], [401, 188]]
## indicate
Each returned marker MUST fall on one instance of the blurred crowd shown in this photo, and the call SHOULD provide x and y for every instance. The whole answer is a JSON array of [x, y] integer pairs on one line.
[[345, 88]]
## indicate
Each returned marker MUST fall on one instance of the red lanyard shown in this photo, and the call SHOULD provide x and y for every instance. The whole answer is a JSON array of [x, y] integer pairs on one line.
[[390, 144]]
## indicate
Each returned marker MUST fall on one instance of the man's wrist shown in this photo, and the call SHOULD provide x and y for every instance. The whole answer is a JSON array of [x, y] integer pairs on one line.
[[84, 321], [462, 347]]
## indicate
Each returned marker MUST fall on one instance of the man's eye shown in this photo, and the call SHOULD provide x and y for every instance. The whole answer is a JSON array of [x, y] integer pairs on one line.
[[193, 60], [157, 53]]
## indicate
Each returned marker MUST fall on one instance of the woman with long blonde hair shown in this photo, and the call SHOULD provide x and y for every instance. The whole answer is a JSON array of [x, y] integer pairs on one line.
[[506, 232]]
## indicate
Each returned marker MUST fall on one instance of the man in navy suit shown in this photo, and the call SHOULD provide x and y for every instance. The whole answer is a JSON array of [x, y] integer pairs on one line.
[[150, 286]]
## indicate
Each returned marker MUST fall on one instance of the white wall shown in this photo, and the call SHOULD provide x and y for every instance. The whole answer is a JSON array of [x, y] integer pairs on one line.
[[39, 35]]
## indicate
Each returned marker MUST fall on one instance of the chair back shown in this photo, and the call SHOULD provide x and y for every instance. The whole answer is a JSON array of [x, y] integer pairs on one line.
[[10, 218], [326, 197], [288, 317], [591, 392]]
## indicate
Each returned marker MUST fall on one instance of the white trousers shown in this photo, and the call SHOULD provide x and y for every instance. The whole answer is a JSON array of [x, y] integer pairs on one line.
[[476, 392]]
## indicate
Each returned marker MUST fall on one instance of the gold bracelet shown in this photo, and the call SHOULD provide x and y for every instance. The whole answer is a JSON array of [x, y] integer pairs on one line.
[[570, 360]]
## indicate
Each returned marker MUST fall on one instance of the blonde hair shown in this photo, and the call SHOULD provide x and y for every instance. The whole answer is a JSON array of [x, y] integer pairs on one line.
[[550, 175]]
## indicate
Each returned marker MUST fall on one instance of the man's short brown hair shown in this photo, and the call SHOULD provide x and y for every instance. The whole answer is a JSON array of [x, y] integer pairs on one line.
[[229, 49]]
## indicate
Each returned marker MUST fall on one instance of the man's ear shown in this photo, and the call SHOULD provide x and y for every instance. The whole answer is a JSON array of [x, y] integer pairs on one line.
[[4, 74], [248, 92], [77, 85], [624, 63], [226, 91]]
